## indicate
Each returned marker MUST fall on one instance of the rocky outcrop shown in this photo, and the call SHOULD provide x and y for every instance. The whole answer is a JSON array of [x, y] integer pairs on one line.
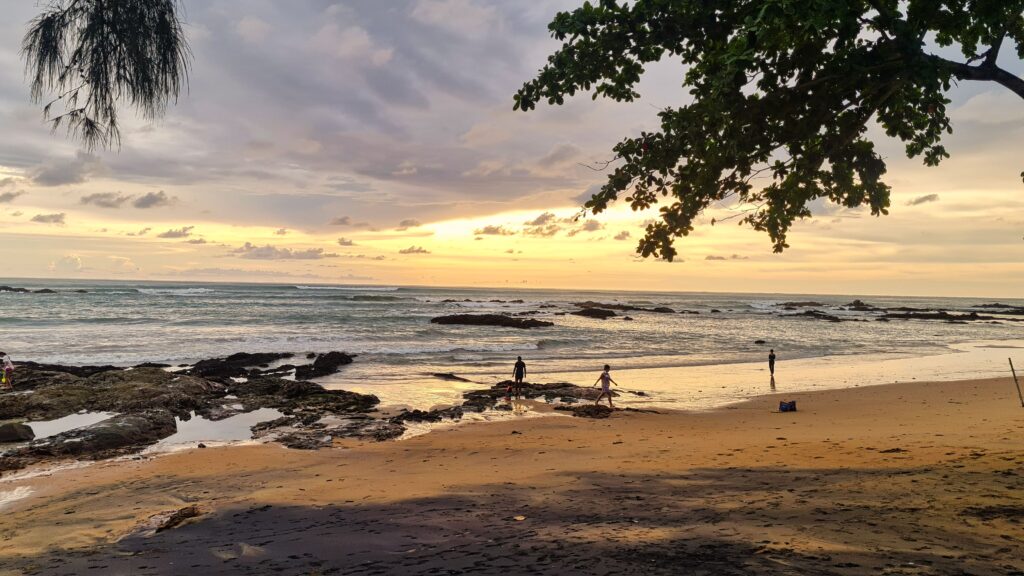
[[816, 315], [624, 307], [491, 320], [480, 400], [324, 365], [115, 436], [587, 410], [940, 315], [599, 313], [453, 413], [236, 365]]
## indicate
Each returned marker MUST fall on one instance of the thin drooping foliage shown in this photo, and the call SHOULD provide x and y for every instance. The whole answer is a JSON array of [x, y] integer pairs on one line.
[[92, 55], [784, 93]]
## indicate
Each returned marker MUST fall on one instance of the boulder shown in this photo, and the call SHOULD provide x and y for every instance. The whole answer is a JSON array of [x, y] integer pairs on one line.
[[453, 413], [663, 310], [491, 320], [599, 313], [15, 432], [324, 365], [44, 291]]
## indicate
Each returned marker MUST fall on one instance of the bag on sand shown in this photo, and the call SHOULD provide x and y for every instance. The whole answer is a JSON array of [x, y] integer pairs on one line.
[[787, 406]]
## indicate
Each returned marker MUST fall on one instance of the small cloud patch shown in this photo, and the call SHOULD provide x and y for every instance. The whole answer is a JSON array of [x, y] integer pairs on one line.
[[927, 198], [414, 250], [183, 232], [50, 218]]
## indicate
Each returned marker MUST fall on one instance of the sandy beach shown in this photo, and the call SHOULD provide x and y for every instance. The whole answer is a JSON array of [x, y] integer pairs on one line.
[[917, 478]]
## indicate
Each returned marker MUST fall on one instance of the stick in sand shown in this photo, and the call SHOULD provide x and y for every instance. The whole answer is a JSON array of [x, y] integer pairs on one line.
[[1019, 395]]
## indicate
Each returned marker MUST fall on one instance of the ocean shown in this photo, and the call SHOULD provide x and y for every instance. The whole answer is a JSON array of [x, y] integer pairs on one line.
[[398, 349]]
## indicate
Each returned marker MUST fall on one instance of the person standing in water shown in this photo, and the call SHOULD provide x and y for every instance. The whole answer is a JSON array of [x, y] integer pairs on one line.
[[606, 386], [518, 374], [771, 361]]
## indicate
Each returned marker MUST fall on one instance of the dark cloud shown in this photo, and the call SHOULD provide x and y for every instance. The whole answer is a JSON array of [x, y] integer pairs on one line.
[[492, 230], [347, 221], [8, 197], [269, 252], [923, 200], [345, 242], [153, 200], [183, 232], [50, 218], [8, 181], [281, 231], [414, 250], [196, 241], [545, 218], [408, 223], [69, 171], [142, 232], [106, 199], [624, 235]]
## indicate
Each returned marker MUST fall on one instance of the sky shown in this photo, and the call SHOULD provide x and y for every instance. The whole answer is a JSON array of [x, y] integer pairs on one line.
[[369, 142]]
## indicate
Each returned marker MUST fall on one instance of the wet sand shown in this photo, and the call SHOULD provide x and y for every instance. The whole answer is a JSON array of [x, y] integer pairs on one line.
[[914, 478]]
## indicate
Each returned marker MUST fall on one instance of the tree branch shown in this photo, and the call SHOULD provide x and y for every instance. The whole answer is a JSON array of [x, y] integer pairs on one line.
[[984, 72]]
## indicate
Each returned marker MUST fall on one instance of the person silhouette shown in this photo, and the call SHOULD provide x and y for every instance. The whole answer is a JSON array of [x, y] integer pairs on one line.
[[771, 362], [518, 374]]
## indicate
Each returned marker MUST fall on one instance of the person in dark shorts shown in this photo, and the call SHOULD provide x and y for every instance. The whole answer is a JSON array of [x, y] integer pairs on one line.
[[771, 361], [518, 374]]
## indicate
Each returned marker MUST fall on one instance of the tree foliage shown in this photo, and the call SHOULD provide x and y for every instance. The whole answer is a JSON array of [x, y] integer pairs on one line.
[[93, 54], [784, 92]]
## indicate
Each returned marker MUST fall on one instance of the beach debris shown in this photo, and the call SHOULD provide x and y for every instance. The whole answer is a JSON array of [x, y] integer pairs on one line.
[[491, 320], [519, 518], [16, 432], [599, 313]]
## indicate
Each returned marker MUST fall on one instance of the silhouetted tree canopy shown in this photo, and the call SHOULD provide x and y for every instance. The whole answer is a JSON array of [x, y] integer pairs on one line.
[[783, 94], [91, 55]]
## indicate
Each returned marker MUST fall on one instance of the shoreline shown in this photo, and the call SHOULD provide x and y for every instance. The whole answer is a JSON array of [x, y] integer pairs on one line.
[[740, 489]]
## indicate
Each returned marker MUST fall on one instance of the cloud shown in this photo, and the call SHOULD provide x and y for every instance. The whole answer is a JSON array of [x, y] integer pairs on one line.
[[72, 171], [493, 231], [50, 218], [281, 231], [463, 18], [8, 197], [123, 264], [624, 235], [733, 257], [252, 29], [408, 223], [183, 232], [106, 199], [268, 252], [142, 232], [347, 221], [560, 155], [545, 218], [588, 226], [8, 181], [414, 250], [345, 242], [923, 200], [196, 241], [153, 200], [66, 264]]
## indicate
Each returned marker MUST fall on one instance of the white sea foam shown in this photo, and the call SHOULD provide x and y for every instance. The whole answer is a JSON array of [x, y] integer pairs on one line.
[[352, 288], [9, 496], [175, 291]]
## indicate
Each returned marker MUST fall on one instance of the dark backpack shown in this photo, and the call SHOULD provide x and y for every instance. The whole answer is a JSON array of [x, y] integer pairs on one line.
[[787, 406]]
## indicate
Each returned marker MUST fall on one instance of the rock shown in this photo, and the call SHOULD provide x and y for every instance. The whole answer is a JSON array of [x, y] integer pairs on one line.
[[80, 291], [235, 366], [759, 342], [491, 398], [311, 356], [16, 432], [114, 436], [663, 310], [716, 311], [599, 313], [626, 318], [10, 289], [324, 365], [807, 304], [453, 413], [859, 306], [491, 320], [587, 411], [940, 315], [689, 312], [44, 291], [450, 377], [169, 520], [80, 371], [152, 365], [817, 315], [201, 445]]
